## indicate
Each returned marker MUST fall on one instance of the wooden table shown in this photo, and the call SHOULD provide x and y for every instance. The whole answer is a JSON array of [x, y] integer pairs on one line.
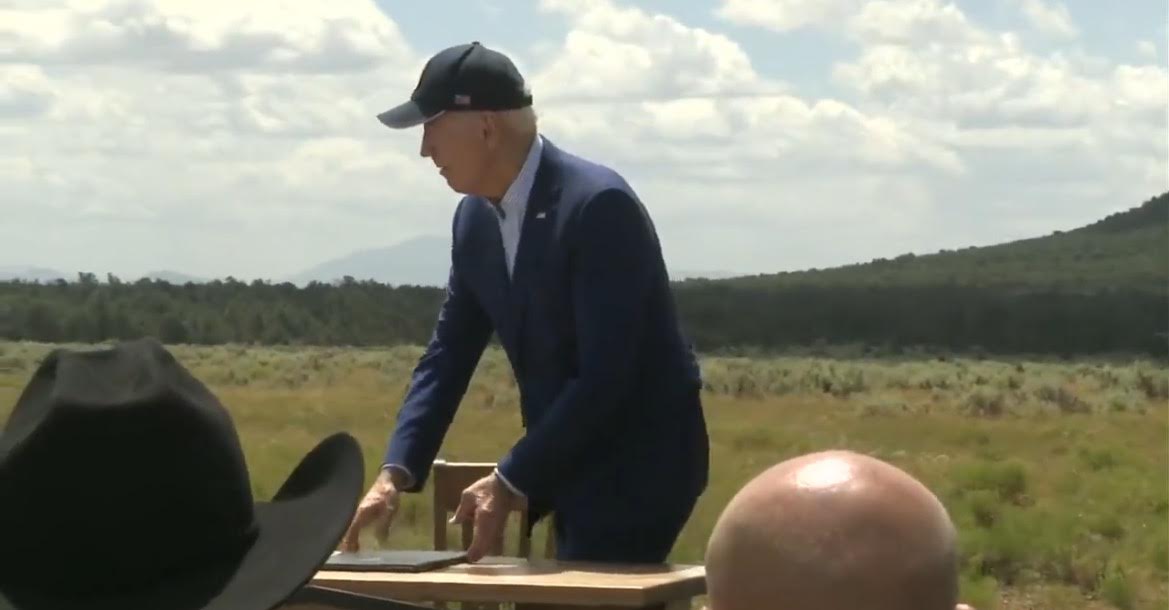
[[533, 584]]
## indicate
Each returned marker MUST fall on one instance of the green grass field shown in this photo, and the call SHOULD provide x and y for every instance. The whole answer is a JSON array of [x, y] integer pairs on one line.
[[1056, 473]]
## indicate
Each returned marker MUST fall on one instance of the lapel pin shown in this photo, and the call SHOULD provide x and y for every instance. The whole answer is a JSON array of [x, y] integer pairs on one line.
[[540, 214]]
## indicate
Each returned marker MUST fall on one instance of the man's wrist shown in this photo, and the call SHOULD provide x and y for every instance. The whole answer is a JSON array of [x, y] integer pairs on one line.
[[507, 484], [397, 475]]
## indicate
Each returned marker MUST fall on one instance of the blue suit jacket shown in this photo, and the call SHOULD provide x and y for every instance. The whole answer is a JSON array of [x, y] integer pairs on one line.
[[608, 385]]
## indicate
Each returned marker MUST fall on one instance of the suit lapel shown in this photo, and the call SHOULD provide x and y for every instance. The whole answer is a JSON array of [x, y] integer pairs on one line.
[[539, 223], [492, 264]]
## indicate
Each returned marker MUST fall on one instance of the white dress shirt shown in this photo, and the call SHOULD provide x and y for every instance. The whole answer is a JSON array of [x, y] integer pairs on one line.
[[514, 203]]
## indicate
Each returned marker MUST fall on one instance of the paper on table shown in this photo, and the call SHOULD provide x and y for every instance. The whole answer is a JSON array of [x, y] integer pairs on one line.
[[394, 561]]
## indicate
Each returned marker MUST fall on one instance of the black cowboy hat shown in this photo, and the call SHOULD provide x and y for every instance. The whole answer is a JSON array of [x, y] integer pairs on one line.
[[123, 486]]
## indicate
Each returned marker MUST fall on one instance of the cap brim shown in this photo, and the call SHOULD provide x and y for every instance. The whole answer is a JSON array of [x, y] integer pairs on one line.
[[405, 115]]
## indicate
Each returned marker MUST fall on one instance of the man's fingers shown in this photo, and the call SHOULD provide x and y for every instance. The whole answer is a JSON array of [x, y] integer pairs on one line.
[[466, 509], [349, 541], [382, 530], [475, 552], [484, 534], [366, 512]]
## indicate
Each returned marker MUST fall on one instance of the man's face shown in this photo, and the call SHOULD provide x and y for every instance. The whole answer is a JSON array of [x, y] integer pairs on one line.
[[459, 144]]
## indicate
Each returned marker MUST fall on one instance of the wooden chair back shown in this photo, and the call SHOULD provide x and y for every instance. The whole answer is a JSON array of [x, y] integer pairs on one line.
[[449, 480]]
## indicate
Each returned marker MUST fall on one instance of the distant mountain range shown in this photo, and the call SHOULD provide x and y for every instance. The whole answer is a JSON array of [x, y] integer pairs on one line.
[[46, 275], [1126, 248], [418, 261], [32, 274]]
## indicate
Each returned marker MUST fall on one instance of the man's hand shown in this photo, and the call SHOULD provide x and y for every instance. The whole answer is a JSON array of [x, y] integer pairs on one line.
[[488, 501], [379, 506]]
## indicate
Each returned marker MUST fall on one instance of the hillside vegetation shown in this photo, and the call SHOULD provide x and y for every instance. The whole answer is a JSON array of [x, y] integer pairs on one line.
[[1096, 290], [1100, 288], [1124, 251], [1053, 472]]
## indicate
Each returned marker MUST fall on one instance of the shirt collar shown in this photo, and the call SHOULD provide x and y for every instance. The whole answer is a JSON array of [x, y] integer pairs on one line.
[[516, 196]]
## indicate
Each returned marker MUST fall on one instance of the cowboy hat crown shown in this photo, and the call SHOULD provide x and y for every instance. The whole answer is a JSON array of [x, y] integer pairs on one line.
[[124, 485]]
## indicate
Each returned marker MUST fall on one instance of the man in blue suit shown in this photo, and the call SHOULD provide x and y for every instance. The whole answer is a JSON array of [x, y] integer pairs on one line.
[[559, 258]]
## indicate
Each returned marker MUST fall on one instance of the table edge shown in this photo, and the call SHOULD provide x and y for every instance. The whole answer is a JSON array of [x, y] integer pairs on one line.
[[684, 588]]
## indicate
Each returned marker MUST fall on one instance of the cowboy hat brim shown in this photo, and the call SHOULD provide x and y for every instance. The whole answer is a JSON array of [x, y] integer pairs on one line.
[[297, 532]]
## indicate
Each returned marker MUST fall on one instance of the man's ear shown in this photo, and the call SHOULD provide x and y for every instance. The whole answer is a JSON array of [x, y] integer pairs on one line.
[[489, 129]]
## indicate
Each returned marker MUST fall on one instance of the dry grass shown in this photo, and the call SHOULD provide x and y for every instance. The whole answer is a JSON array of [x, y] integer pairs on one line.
[[1055, 472]]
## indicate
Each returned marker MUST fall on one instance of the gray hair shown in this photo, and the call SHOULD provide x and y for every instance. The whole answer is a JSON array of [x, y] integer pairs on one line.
[[519, 123]]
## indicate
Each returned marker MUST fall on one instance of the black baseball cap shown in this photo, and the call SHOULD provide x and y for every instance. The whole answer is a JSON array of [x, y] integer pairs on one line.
[[463, 77]]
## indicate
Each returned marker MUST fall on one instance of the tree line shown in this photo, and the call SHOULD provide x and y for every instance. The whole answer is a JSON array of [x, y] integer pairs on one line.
[[718, 316]]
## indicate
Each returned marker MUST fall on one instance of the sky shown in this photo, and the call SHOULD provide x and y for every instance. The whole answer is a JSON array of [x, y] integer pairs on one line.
[[217, 139]]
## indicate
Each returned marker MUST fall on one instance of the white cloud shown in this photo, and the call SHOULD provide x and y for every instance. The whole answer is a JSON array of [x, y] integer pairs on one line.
[[623, 53], [198, 36], [785, 15], [901, 21], [1142, 89], [978, 84], [767, 223], [1049, 18], [24, 91], [220, 139], [255, 148], [911, 22], [1147, 49], [980, 80], [719, 113], [1024, 125], [211, 134], [718, 160], [927, 59]]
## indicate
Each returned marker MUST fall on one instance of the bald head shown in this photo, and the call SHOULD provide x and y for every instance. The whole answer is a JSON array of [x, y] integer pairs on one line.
[[833, 531]]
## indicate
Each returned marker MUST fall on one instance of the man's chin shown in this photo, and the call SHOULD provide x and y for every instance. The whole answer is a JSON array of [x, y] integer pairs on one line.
[[456, 187]]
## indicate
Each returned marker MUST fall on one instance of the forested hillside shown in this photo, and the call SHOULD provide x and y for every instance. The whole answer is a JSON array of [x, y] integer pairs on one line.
[[1100, 288], [1126, 250]]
